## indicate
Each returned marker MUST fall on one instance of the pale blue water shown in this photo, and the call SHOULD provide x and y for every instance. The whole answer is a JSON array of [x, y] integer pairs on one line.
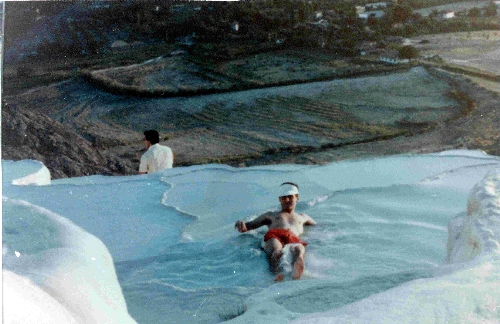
[[381, 223], [366, 241]]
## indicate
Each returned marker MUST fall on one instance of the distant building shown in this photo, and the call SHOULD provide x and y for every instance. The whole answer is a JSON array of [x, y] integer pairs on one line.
[[235, 26], [375, 6], [448, 14], [321, 23], [371, 14], [318, 15], [392, 57]]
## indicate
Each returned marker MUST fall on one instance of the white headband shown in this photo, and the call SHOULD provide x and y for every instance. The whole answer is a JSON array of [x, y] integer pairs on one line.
[[288, 190]]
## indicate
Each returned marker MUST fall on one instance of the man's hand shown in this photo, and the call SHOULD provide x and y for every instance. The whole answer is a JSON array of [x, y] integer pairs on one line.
[[241, 226]]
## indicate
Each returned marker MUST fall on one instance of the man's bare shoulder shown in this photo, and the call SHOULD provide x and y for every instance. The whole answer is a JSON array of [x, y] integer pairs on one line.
[[261, 220], [307, 219], [265, 218], [269, 214]]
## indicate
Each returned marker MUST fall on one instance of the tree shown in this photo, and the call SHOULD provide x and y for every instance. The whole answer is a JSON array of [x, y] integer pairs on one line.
[[475, 12], [409, 52], [305, 9], [347, 10], [490, 10], [401, 13]]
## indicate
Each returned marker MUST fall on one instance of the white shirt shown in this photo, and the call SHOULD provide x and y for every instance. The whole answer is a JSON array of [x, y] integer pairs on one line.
[[156, 158]]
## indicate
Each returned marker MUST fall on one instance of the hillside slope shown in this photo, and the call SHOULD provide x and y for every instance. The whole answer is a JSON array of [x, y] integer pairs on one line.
[[31, 135]]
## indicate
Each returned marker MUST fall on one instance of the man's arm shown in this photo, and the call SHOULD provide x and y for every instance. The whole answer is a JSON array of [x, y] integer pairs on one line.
[[309, 220], [262, 220], [143, 167]]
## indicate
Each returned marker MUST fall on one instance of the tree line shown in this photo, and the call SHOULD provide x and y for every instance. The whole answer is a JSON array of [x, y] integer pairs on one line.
[[87, 25]]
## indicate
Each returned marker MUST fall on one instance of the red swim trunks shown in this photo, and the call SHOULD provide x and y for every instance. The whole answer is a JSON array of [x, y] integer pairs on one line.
[[283, 235]]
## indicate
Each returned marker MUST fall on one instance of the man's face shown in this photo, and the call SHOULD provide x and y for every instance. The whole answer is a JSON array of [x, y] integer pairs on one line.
[[289, 202], [146, 143]]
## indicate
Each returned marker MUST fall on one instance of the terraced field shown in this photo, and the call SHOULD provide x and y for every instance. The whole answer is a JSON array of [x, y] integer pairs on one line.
[[253, 125], [288, 121], [257, 123]]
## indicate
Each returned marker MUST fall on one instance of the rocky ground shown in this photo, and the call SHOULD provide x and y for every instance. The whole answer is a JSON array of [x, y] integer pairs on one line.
[[73, 140], [32, 135]]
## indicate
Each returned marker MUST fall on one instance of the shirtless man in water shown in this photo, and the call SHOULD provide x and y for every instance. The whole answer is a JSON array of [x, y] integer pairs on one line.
[[284, 227]]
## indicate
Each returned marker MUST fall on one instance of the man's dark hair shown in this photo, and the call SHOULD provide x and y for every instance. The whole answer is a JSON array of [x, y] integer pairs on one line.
[[290, 183], [152, 136]]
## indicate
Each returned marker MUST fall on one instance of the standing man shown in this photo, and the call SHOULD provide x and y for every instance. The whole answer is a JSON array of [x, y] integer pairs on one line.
[[157, 157], [284, 228]]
